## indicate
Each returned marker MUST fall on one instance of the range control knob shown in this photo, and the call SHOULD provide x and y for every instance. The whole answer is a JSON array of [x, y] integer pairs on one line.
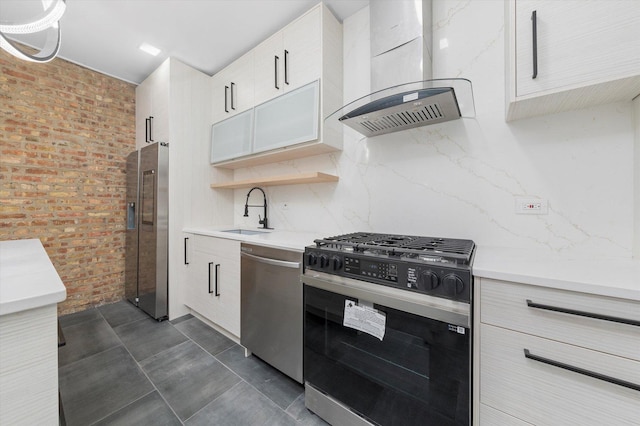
[[427, 280], [324, 261], [453, 285], [312, 259], [336, 263]]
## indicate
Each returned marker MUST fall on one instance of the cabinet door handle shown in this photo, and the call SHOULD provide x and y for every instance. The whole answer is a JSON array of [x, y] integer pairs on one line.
[[583, 313], [582, 371], [534, 27], [226, 98], [151, 128], [210, 291], [286, 67], [185, 250], [275, 63], [217, 275], [148, 137], [233, 104]]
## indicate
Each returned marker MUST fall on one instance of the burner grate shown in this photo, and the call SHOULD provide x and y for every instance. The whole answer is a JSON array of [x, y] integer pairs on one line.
[[399, 245]]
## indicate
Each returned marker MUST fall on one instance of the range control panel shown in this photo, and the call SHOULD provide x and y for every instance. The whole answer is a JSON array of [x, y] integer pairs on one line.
[[448, 281], [371, 269]]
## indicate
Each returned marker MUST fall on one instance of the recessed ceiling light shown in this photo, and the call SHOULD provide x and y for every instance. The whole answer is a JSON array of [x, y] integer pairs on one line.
[[151, 50]]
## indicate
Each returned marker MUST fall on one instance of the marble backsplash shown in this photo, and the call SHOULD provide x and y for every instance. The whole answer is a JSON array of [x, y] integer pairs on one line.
[[460, 179]]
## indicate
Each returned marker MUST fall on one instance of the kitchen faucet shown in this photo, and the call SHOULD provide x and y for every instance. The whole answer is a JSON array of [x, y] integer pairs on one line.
[[264, 222]]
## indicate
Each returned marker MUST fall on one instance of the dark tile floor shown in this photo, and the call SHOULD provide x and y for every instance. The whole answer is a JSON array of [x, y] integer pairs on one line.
[[121, 367]]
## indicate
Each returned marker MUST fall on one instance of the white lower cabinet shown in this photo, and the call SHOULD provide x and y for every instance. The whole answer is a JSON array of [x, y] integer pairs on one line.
[[540, 360], [213, 280]]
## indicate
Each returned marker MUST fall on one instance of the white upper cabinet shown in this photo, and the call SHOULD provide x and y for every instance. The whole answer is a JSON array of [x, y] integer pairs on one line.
[[306, 51], [233, 88], [288, 119], [289, 58], [231, 138], [570, 54], [152, 108]]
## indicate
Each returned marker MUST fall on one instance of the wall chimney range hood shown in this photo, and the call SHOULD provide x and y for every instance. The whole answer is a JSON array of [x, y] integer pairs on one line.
[[403, 94]]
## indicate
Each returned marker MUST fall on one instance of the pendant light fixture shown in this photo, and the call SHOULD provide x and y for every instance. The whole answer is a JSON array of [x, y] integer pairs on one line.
[[46, 21]]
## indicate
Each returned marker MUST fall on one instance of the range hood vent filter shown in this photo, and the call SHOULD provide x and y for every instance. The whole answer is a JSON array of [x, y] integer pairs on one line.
[[404, 111]]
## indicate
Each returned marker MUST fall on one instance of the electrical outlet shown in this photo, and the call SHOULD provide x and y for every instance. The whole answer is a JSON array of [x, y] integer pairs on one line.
[[528, 205]]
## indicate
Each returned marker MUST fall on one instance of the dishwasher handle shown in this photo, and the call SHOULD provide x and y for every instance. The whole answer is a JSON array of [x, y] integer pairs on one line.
[[273, 262]]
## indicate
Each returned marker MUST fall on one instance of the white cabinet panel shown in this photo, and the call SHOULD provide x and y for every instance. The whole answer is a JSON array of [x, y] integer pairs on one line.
[[231, 138], [290, 58], [232, 88], [581, 349], [587, 53], [492, 417], [152, 107], [288, 119], [213, 284], [269, 69], [505, 305], [543, 394], [303, 50], [308, 49]]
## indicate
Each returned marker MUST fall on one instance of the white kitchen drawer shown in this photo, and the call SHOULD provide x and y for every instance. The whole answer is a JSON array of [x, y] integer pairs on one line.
[[220, 247], [505, 304], [543, 394], [489, 416]]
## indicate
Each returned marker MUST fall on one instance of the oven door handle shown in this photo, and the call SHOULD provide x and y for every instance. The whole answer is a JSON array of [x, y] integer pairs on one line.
[[449, 311]]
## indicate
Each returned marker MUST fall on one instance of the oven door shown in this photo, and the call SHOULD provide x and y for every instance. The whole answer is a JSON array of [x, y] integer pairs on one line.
[[391, 356]]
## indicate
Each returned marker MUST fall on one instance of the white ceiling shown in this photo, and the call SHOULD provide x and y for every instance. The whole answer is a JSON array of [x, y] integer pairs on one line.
[[104, 35]]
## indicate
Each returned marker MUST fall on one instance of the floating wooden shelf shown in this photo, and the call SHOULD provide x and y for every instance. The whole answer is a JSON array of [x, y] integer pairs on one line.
[[301, 178]]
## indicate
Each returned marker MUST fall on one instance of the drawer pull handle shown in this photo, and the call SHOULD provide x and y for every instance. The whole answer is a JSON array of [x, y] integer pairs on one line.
[[275, 62], [582, 313], [582, 371], [210, 264], [217, 292]]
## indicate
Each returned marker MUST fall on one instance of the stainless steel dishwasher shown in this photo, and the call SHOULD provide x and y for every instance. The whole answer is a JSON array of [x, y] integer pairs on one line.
[[271, 306]]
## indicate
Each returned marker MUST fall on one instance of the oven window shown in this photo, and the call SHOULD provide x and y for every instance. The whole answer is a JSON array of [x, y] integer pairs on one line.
[[418, 374]]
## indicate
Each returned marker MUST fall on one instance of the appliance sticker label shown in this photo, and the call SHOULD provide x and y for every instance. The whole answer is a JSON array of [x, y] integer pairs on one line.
[[364, 318], [410, 97]]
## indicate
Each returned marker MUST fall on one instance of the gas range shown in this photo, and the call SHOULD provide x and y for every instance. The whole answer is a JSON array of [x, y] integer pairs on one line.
[[439, 267]]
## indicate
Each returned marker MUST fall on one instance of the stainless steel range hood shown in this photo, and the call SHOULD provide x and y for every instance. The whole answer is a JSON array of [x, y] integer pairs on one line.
[[403, 93]]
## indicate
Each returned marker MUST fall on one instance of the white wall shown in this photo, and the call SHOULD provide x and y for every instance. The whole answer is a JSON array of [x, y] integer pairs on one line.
[[460, 179]]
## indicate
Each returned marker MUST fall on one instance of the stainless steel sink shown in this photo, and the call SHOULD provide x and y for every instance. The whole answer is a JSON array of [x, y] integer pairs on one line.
[[244, 231]]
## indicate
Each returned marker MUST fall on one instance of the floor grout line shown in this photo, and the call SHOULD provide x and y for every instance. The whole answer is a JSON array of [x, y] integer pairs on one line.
[[227, 366], [144, 372]]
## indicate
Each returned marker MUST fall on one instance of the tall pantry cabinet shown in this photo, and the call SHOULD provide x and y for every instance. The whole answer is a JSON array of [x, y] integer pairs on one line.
[[175, 95]]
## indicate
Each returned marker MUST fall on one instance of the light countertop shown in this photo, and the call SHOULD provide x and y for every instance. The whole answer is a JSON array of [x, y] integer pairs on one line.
[[28, 279], [292, 240], [605, 276]]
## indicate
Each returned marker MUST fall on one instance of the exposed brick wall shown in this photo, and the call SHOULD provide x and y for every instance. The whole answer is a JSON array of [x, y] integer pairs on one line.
[[65, 132]]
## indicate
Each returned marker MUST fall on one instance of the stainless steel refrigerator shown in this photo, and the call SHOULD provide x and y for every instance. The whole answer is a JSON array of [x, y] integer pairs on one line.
[[147, 246]]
